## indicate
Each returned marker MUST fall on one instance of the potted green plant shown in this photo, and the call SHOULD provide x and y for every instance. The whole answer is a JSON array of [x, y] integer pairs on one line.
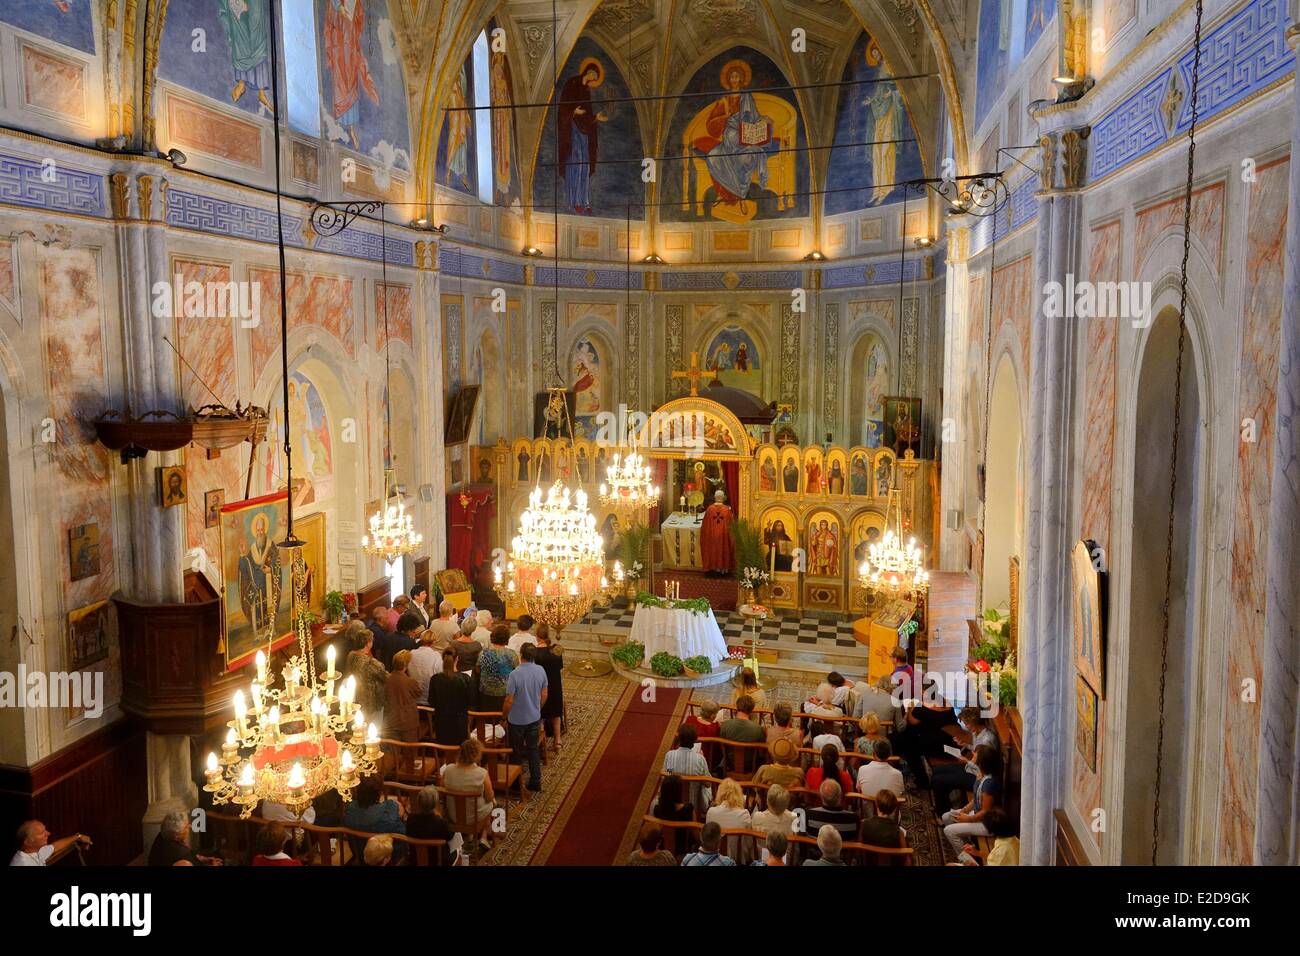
[[750, 570], [334, 608], [633, 548]]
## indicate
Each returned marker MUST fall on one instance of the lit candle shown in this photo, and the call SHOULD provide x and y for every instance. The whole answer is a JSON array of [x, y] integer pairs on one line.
[[358, 721], [297, 779], [214, 770], [511, 586], [257, 697], [273, 722], [372, 734], [240, 712], [261, 666], [229, 747], [330, 655], [246, 778]]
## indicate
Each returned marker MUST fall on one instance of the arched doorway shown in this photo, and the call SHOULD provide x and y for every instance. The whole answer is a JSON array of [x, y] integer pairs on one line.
[[1154, 428], [1003, 487]]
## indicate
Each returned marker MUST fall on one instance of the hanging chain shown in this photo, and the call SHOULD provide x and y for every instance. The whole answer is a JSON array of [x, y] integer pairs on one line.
[[1178, 418]]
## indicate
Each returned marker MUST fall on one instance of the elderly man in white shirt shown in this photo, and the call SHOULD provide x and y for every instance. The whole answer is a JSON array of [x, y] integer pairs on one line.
[[35, 848], [426, 660], [686, 760], [524, 635], [878, 773]]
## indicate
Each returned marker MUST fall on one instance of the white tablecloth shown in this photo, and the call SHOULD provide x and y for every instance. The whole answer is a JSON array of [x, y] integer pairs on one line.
[[681, 537], [679, 632]]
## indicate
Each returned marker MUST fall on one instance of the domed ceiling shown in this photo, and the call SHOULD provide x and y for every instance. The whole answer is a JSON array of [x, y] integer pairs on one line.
[[662, 59]]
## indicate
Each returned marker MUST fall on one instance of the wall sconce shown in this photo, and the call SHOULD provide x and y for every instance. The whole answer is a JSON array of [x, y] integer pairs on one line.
[[654, 259], [925, 242], [532, 251]]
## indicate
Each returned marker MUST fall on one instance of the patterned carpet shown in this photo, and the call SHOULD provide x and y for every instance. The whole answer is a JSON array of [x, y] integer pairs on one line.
[[591, 705]]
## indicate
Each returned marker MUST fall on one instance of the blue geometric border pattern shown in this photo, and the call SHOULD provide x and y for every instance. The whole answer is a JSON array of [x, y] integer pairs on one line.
[[576, 278], [730, 281], [72, 189], [1246, 53], [454, 261], [1241, 56], [363, 244], [221, 217], [1130, 129], [884, 272]]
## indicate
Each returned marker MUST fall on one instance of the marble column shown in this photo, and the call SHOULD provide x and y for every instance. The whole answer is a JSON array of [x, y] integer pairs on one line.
[[1045, 646], [957, 318], [157, 534], [1277, 817], [433, 517]]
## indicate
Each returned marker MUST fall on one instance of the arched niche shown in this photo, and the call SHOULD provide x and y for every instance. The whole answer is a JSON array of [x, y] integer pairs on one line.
[[400, 445], [870, 374], [1153, 426], [1004, 512], [590, 368], [732, 324], [488, 371]]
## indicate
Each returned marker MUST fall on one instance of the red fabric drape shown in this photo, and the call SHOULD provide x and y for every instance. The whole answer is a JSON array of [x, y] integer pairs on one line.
[[469, 518], [731, 479]]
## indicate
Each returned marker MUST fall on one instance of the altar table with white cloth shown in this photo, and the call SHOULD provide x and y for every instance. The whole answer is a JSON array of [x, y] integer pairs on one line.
[[678, 631], [681, 538]]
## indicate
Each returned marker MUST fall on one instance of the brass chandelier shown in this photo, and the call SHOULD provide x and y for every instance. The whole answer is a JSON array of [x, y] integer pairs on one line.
[[292, 743], [628, 485], [392, 530], [557, 560], [892, 568]]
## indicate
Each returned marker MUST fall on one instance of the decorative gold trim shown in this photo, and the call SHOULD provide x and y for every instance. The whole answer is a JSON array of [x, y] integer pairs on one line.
[[119, 195], [144, 191], [155, 15]]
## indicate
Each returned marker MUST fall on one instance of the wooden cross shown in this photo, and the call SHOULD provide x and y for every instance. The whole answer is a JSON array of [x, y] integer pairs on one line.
[[694, 373]]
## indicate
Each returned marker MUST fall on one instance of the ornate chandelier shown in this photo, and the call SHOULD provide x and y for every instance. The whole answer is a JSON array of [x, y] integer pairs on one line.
[[557, 560], [292, 743], [893, 568], [392, 530], [628, 484]]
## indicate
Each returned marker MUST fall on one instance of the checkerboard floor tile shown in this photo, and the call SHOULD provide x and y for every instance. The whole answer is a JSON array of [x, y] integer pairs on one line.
[[811, 631]]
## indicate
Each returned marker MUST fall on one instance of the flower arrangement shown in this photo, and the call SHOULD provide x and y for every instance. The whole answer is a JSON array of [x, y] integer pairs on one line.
[[635, 571], [630, 654], [1003, 676], [666, 665], [752, 577], [335, 610], [995, 623]]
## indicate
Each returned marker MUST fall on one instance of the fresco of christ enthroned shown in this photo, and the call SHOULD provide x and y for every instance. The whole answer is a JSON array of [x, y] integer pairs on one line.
[[741, 140]]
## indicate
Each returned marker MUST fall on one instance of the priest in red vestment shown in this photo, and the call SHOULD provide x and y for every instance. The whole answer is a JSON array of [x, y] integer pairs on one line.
[[716, 549]]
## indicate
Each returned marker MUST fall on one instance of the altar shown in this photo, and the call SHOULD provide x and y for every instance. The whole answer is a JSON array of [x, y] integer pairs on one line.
[[678, 631], [681, 540]]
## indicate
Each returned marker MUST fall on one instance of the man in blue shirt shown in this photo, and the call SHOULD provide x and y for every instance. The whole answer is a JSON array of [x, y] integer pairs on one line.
[[708, 853], [525, 695]]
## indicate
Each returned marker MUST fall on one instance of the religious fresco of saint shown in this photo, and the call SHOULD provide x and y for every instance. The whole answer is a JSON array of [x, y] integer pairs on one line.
[[364, 102], [875, 114], [597, 139], [456, 157], [823, 545], [735, 357], [70, 22], [587, 384], [313, 454], [505, 158], [233, 64], [741, 145], [1008, 30], [877, 387]]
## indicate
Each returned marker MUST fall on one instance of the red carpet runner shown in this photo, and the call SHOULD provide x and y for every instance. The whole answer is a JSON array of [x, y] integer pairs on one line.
[[614, 783]]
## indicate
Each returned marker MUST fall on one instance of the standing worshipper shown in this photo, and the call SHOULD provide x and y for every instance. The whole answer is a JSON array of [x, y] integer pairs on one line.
[[495, 664], [526, 692], [419, 603], [716, 548], [524, 635], [402, 714], [371, 676], [446, 627], [550, 658], [451, 694], [426, 660]]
